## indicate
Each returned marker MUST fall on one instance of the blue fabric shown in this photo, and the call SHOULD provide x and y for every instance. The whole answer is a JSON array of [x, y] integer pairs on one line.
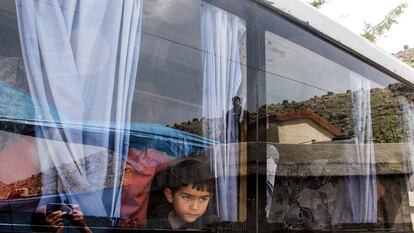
[[171, 141], [17, 104]]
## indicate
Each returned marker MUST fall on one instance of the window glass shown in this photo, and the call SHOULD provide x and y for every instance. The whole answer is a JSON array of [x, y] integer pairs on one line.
[[333, 139], [134, 114], [126, 114], [66, 90], [192, 79]]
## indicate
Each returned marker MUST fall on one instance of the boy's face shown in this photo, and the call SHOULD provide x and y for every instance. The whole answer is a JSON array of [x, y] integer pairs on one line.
[[189, 204]]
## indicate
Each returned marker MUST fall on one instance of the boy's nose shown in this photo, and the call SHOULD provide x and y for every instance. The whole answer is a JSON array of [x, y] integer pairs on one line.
[[194, 205]]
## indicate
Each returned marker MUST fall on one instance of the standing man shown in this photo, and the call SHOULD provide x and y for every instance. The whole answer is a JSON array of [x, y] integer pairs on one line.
[[234, 119]]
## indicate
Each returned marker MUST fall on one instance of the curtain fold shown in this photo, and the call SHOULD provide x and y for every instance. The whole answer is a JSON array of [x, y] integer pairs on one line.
[[272, 157], [81, 61], [221, 36], [407, 110], [357, 195]]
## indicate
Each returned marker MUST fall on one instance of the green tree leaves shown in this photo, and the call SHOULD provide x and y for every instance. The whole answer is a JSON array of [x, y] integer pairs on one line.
[[372, 32]]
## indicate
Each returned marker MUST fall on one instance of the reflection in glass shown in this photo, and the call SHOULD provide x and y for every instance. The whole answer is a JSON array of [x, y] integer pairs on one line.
[[272, 157], [222, 35], [83, 77], [342, 141], [358, 201], [407, 109]]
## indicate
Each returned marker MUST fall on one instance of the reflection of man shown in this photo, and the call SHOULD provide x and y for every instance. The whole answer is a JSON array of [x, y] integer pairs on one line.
[[234, 119]]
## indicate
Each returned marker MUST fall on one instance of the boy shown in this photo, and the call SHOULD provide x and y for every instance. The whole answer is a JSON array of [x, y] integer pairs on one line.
[[190, 189]]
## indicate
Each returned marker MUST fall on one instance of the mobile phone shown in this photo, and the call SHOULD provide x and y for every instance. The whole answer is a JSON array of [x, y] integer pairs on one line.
[[52, 207]]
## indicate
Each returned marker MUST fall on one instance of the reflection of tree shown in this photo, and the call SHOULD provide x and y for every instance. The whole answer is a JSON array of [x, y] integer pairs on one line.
[[194, 126]]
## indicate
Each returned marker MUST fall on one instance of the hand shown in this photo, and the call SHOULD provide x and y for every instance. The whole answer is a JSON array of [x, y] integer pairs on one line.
[[55, 220], [78, 219]]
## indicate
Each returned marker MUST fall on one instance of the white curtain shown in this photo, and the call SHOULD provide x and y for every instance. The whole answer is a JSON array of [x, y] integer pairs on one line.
[[272, 157], [407, 109], [81, 61], [221, 36], [357, 197]]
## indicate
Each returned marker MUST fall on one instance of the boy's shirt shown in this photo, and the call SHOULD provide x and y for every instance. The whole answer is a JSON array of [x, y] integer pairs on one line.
[[161, 220]]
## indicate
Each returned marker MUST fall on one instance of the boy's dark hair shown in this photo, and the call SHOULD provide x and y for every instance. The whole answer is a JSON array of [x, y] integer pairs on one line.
[[191, 171]]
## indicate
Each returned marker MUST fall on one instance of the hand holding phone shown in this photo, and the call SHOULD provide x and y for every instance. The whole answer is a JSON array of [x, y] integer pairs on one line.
[[53, 207]]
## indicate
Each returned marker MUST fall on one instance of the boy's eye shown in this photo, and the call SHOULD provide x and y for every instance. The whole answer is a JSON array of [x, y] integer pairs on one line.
[[186, 197]]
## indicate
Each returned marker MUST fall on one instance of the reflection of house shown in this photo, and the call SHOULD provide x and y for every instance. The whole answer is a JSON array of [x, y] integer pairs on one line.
[[300, 127]]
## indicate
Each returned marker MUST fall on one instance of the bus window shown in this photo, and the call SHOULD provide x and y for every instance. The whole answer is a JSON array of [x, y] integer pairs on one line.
[[334, 138]]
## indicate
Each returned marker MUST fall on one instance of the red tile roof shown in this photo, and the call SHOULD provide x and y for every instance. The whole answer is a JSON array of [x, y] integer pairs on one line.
[[306, 114]]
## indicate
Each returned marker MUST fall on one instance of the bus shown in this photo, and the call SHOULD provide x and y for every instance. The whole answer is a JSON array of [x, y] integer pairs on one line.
[[302, 126]]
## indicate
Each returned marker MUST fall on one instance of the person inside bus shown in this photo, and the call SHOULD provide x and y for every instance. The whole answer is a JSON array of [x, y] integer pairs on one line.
[[141, 167], [188, 193]]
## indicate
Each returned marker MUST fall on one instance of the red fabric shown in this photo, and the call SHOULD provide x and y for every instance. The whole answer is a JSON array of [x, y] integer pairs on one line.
[[19, 160], [142, 166]]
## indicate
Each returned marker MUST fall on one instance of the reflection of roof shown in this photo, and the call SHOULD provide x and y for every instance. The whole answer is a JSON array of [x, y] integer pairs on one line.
[[306, 114]]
